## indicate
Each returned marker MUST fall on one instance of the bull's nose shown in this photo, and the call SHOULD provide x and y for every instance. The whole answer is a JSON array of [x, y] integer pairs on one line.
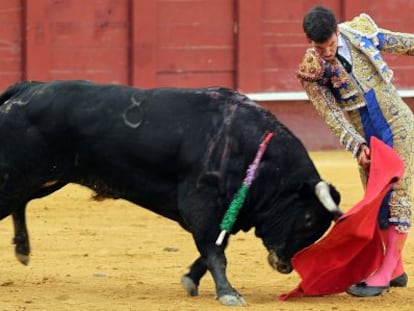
[[284, 268], [278, 264]]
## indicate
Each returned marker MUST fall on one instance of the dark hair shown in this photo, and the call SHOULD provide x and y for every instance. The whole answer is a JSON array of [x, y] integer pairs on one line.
[[319, 24]]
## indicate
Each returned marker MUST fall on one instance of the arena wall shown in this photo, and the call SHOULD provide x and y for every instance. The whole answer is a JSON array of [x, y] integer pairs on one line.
[[253, 46]]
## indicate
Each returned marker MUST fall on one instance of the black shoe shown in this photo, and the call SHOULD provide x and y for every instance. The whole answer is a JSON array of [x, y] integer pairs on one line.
[[364, 290], [400, 281]]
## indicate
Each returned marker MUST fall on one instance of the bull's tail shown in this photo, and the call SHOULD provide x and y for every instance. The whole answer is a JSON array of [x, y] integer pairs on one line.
[[16, 89]]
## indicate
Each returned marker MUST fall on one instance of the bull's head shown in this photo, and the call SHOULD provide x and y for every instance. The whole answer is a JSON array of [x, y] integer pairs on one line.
[[305, 216]]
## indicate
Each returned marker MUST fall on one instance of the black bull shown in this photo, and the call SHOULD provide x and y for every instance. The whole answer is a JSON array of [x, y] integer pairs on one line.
[[181, 153]]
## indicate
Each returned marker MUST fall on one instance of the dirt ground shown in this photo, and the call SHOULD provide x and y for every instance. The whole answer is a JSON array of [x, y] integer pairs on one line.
[[115, 256]]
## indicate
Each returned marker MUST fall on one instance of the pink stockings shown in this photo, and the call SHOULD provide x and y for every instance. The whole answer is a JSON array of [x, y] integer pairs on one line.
[[392, 265]]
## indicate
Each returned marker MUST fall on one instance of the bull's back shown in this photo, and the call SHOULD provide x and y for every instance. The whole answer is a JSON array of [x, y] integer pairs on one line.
[[117, 140], [113, 118]]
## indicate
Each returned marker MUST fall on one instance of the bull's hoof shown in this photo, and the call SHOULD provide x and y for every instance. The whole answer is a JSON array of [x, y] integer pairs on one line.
[[24, 259], [232, 300], [190, 287]]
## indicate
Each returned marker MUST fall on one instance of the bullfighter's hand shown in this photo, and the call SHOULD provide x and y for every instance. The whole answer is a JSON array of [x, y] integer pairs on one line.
[[364, 157]]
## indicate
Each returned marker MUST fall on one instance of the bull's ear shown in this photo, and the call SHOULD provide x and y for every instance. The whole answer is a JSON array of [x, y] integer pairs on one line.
[[307, 187], [336, 196]]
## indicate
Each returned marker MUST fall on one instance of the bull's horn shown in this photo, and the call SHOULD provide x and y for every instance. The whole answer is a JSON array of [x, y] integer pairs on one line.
[[324, 195]]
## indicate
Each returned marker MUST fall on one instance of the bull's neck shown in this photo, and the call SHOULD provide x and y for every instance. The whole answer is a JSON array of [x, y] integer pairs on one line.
[[236, 204]]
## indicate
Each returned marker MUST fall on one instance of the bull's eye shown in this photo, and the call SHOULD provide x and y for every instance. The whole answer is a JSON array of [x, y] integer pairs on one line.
[[308, 220], [304, 227]]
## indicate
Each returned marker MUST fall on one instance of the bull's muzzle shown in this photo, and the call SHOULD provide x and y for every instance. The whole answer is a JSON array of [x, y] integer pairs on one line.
[[279, 265]]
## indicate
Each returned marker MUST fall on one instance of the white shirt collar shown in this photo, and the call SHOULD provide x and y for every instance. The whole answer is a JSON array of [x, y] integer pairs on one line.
[[341, 42], [343, 49]]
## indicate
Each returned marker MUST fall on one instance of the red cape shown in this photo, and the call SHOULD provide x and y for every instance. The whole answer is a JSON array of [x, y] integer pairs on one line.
[[352, 250]]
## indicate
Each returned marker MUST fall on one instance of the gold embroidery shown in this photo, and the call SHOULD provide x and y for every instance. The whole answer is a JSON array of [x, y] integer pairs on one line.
[[311, 68], [333, 95], [362, 25]]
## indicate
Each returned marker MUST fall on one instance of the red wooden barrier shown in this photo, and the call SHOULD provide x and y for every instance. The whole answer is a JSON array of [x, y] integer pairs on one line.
[[251, 45]]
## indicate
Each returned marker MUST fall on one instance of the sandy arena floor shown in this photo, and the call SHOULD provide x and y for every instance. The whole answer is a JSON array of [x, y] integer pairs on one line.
[[115, 256]]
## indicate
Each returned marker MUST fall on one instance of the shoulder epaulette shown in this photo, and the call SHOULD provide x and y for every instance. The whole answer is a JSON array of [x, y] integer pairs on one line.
[[362, 25], [311, 68]]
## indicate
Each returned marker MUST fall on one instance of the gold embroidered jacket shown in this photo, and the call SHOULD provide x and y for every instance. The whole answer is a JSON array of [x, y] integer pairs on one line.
[[364, 103], [337, 95]]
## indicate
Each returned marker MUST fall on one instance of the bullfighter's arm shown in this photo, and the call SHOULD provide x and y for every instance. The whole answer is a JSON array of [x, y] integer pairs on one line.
[[395, 42], [326, 106], [384, 39], [311, 74]]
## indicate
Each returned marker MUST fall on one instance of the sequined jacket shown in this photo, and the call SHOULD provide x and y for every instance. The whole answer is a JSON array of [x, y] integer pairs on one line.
[[338, 96]]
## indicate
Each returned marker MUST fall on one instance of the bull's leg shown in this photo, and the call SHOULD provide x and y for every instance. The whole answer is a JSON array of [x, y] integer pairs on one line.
[[191, 280], [21, 237], [198, 207], [225, 293], [216, 263]]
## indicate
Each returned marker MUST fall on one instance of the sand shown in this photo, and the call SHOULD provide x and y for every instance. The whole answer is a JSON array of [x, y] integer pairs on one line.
[[114, 255]]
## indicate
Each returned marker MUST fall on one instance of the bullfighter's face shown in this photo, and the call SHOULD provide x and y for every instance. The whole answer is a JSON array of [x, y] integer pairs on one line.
[[327, 49]]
